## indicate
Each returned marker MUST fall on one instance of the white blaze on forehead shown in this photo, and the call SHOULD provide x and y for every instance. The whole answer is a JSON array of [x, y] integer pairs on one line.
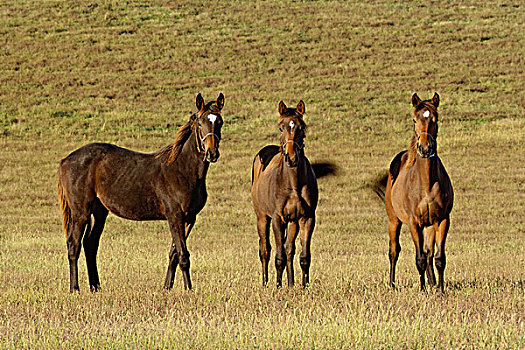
[[292, 124], [212, 117], [426, 114]]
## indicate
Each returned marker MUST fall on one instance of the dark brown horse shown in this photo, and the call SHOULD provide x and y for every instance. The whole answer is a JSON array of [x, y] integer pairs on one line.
[[167, 185], [419, 194], [284, 193]]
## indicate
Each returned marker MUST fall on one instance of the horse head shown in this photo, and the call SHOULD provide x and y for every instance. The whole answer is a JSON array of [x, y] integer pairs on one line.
[[208, 125], [425, 118], [293, 132]]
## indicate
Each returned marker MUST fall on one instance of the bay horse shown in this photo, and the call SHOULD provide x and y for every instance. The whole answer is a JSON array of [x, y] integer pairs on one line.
[[419, 194], [166, 185], [285, 194]]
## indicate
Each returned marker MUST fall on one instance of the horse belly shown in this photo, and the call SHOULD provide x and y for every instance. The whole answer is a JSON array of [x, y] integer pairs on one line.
[[398, 203], [262, 195], [128, 194], [132, 205], [196, 202]]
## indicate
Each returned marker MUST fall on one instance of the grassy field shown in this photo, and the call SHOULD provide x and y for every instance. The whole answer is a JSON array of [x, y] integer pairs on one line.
[[128, 72]]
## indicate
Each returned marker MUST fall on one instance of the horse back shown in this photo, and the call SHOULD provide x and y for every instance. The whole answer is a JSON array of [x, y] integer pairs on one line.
[[122, 179], [393, 172], [395, 165], [264, 157]]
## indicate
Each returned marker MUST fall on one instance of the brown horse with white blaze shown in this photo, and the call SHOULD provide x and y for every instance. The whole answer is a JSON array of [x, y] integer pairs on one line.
[[285, 194], [419, 194], [166, 185]]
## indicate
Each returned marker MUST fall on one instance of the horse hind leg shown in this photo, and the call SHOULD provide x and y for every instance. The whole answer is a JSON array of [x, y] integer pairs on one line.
[[74, 202], [394, 228], [91, 242], [75, 232]]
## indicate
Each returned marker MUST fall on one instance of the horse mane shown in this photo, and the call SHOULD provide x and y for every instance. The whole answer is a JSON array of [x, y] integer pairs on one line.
[[170, 153], [412, 152]]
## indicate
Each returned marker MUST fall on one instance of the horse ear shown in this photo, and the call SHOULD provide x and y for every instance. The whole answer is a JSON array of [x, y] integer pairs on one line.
[[199, 102], [435, 99], [415, 100], [220, 101], [300, 107], [282, 108]]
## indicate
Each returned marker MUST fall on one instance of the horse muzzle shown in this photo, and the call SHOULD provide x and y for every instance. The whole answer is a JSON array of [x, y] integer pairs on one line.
[[212, 156], [291, 162], [210, 141], [426, 147]]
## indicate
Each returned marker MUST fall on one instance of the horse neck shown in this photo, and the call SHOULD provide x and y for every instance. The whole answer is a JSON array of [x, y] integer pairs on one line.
[[291, 176], [427, 170], [190, 160]]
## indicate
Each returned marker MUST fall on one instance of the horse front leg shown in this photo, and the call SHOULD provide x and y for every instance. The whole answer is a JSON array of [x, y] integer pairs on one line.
[[421, 259], [289, 247], [172, 266], [429, 236], [279, 229], [441, 261], [306, 227], [179, 253]]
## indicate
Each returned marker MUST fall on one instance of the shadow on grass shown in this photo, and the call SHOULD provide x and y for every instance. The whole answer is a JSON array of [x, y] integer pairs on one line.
[[497, 283]]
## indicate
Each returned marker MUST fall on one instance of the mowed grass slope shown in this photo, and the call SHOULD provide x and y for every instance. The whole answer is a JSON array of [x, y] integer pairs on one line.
[[128, 73]]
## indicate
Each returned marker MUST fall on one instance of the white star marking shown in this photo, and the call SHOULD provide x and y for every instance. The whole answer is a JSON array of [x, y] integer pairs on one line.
[[212, 117]]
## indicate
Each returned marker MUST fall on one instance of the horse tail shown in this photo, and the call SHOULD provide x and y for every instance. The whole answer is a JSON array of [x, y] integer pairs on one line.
[[64, 206], [324, 169], [378, 185]]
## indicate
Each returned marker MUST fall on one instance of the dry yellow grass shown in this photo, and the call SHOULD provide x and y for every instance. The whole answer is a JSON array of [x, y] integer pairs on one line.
[[75, 72]]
